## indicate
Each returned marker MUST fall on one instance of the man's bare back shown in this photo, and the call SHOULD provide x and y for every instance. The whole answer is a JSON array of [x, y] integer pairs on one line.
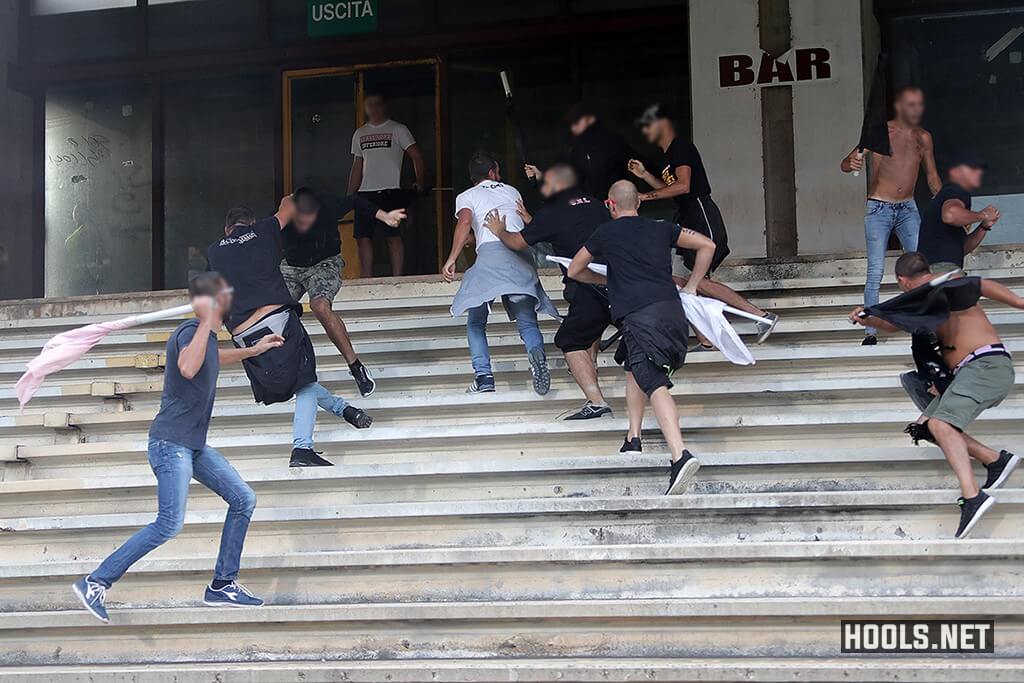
[[964, 332], [893, 178]]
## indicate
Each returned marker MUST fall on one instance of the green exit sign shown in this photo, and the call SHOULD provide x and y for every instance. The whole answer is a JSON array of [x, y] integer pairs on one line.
[[339, 17]]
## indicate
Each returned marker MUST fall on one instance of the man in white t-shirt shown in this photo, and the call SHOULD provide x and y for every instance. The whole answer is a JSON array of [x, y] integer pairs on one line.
[[379, 147], [499, 272]]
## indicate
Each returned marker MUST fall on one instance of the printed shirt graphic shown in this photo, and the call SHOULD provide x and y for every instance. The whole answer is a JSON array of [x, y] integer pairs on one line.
[[382, 149], [481, 199]]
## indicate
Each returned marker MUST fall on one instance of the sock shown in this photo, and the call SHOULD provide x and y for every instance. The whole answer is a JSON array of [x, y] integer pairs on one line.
[[217, 584]]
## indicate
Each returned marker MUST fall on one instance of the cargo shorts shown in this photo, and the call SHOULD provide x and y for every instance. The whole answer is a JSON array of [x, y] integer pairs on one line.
[[981, 384], [322, 280]]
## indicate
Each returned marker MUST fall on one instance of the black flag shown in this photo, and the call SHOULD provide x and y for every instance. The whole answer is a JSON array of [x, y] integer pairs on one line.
[[874, 133]]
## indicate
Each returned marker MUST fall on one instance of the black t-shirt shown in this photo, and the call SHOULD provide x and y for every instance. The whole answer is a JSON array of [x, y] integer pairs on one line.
[[186, 404], [938, 241], [682, 152], [567, 220], [250, 260], [322, 240], [638, 252], [600, 157]]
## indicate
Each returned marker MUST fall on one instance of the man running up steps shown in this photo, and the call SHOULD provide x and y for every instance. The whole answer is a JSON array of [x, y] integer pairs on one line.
[[645, 305], [178, 452]]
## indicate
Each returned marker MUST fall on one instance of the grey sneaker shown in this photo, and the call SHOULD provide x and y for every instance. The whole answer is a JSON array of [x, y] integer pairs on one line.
[[541, 374], [764, 330]]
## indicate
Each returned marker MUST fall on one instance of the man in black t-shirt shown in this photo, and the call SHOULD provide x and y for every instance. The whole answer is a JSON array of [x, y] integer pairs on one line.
[[249, 256], [567, 220], [312, 263], [944, 238], [684, 180], [646, 306]]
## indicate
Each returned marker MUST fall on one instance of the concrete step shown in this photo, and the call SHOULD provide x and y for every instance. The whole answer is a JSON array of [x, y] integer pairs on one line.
[[560, 670], [692, 518], [772, 627], [646, 571]]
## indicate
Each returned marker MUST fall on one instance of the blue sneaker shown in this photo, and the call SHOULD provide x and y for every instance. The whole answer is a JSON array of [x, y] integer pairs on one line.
[[232, 595], [92, 596], [482, 384]]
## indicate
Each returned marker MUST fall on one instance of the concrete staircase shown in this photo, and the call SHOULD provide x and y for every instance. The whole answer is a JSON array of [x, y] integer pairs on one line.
[[481, 538]]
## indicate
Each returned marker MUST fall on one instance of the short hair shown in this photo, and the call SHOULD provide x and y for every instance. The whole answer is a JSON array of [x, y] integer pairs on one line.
[[579, 111], [375, 92], [209, 283], [306, 201], [905, 90], [912, 264], [239, 215], [565, 172], [480, 164], [624, 193]]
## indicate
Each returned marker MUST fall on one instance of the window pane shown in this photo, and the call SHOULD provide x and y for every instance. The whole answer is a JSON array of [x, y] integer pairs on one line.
[[620, 92], [971, 67], [219, 153], [82, 35], [98, 190], [210, 24]]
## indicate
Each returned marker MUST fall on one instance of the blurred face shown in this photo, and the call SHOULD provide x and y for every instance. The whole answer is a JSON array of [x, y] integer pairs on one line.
[[224, 298], [302, 222], [375, 109], [655, 130], [910, 107], [551, 185], [580, 125], [967, 177]]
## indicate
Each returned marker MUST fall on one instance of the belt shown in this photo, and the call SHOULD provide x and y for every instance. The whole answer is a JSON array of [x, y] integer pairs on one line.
[[987, 350]]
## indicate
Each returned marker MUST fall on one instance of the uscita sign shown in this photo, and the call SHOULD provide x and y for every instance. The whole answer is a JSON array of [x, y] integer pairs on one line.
[[334, 17]]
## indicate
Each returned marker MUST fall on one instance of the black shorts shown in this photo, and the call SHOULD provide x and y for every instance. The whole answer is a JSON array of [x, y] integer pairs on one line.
[[648, 375], [704, 217], [277, 374], [385, 200], [588, 317]]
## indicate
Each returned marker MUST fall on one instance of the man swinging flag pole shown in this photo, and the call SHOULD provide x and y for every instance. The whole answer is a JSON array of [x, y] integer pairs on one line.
[[513, 119], [67, 347]]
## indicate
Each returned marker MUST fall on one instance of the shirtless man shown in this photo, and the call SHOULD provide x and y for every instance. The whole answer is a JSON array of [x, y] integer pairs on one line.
[[890, 205], [983, 377]]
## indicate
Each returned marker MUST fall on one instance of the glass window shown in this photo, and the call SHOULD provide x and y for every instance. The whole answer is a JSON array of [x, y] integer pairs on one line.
[[218, 153], [61, 35], [98, 190], [971, 68], [462, 12], [620, 83]]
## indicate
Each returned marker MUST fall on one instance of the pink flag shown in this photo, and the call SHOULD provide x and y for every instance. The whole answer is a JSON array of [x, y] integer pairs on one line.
[[67, 347]]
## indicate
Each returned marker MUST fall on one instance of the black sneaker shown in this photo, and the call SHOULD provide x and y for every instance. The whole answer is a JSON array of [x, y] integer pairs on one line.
[[307, 457], [971, 511], [764, 330], [541, 374], [869, 340], [631, 446], [681, 473], [1001, 469], [362, 377], [482, 384], [356, 417], [590, 411]]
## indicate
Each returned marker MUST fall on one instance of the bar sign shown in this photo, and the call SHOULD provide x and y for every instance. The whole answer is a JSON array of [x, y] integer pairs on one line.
[[341, 17], [906, 636]]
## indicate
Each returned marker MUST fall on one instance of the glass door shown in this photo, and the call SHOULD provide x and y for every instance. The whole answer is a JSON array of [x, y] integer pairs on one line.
[[322, 110]]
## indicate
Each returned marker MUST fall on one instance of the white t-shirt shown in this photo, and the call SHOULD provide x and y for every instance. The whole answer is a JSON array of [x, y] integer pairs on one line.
[[382, 149], [481, 199]]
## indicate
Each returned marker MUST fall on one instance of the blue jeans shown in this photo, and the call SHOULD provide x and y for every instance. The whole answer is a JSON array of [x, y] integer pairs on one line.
[[174, 465], [523, 308], [306, 400], [881, 219]]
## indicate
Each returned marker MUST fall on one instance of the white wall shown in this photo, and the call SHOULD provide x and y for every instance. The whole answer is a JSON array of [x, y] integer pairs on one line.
[[826, 124], [827, 118], [727, 123]]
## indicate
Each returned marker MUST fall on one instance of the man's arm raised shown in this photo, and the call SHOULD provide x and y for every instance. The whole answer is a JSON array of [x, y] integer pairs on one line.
[[680, 186]]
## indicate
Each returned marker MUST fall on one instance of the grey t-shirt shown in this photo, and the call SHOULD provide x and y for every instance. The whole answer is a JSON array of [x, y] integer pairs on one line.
[[186, 404]]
